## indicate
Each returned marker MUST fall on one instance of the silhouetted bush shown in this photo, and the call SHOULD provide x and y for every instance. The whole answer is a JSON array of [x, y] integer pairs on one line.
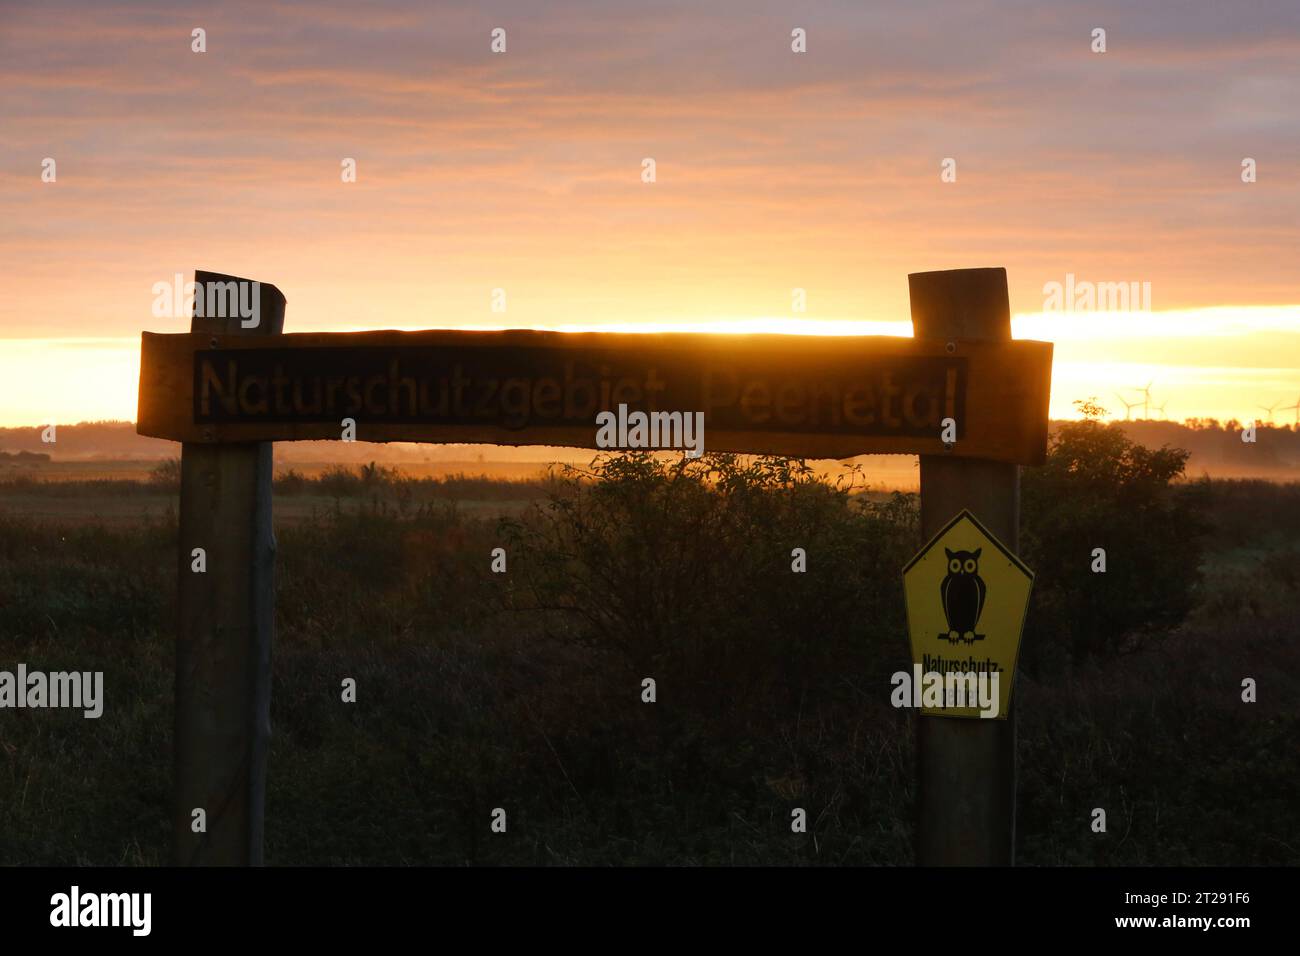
[[685, 568], [291, 482], [1100, 490], [166, 474]]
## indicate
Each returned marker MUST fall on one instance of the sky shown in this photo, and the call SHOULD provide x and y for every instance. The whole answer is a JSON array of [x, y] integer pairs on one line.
[[774, 171]]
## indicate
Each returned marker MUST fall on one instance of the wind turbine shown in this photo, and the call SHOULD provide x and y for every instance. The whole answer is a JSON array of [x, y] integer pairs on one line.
[[1161, 408], [1296, 407], [1128, 406], [1146, 399], [1269, 409]]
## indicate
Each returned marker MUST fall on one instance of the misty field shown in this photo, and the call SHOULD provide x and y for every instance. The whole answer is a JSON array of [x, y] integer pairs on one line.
[[522, 690]]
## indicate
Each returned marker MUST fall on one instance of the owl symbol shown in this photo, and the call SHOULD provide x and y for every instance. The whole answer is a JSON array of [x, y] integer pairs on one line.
[[963, 593]]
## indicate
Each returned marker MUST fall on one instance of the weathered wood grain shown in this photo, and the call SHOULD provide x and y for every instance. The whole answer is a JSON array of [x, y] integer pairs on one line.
[[966, 769], [225, 621]]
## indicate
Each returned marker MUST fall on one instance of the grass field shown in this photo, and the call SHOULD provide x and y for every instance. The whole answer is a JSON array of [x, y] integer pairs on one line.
[[471, 696]]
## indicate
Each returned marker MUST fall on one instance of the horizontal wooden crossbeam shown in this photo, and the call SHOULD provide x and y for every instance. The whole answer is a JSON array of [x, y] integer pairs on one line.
[[803, 396]]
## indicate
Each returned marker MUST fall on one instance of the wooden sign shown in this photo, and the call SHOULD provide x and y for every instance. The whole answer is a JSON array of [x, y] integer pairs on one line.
[[803, 396]]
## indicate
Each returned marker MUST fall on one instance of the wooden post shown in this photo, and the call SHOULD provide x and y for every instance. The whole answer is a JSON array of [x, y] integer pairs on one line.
[[966, 769], [225, 624]]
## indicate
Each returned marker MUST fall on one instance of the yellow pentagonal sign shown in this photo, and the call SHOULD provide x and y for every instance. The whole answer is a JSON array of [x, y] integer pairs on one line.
[[966, 600]]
